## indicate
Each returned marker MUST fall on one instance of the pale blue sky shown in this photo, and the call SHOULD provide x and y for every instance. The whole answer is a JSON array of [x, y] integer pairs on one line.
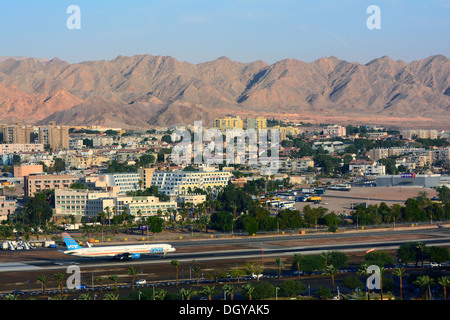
[[243, 30]]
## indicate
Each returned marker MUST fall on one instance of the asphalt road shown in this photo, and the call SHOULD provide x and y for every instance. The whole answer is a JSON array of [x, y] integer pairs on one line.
[[245, 248]]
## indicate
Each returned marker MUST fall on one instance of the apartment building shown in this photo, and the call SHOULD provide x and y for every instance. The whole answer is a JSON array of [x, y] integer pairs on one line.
[[295, 165], [334, 131], [26, 170], [11, 148], [57, 137], [419, 133], [363, 167], [37, 183], [257, 123], [17, 134], [380, 153], [229, 123], [7, 207], [183, 182]]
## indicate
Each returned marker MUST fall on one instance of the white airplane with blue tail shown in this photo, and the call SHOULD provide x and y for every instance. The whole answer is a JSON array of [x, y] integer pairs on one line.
[[118, 251]]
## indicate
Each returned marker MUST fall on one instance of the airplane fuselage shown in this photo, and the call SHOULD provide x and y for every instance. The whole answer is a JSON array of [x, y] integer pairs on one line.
[[121, 250]]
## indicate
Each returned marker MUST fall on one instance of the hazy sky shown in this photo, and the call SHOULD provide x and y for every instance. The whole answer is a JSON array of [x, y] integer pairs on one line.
[[243, 30]]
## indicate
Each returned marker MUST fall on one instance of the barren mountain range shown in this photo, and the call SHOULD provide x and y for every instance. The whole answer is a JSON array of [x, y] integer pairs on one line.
[[145, 91]]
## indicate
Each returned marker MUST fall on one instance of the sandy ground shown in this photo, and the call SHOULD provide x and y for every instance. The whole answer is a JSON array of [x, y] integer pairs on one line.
[[340, 201]]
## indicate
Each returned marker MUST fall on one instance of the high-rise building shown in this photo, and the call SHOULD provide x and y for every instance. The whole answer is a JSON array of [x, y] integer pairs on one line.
[[17, 134], [57, 137], [146, 175], [229, 123], [257, 123]]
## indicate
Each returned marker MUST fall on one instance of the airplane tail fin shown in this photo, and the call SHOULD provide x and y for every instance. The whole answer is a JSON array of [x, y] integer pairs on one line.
[[70, 243]]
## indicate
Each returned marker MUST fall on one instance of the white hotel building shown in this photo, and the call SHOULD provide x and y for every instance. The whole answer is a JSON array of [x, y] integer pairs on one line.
[[179, 183], [89, 203]]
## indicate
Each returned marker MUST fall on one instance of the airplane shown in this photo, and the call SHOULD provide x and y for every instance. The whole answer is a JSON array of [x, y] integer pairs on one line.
[[120, 252]]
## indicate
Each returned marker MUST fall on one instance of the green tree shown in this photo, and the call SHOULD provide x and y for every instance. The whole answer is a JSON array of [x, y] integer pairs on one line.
[[229, 289], [208, 291], [400, 273], [247, 290], [331, 271], [444, 281], [59, 277], [188, 293], [175, 264], [379, 258], [438, 254], [311, 263], [43, 280], [291, 288], [132, 272], [424, 282]]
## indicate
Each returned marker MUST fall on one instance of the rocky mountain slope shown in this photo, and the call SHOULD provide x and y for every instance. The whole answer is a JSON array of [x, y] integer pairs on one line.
[[145, 91]]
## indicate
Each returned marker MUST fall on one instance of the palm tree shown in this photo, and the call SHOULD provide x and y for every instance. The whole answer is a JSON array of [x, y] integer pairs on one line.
[[196, 269], [279, 263], [111, 296], [420, 246], [175, 263], [84, 296], [444, 281], [326, 256], [331, 271], [208, 291], [102, 216], [114, 278], [100, 280], [423, 282], [362, 271], [60, 278], [132, 272], [229, 288], [160, 294], [248, 290], [43, 280], [188, 293], [400, 273], [297, 260]]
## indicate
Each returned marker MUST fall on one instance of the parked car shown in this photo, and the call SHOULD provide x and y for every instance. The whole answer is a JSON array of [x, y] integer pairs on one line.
[[81, 287], [434, 264], [141, 282]]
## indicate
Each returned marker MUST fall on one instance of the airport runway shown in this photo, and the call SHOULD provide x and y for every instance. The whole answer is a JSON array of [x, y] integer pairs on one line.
[[246, 248]]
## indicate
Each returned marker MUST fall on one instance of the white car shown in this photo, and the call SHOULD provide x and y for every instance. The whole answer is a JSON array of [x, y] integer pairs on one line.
[[141, 282], [257, 276], [434, 264]]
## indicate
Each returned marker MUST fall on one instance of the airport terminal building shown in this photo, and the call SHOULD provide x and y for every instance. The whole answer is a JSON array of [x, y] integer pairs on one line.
[[409, 180]]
